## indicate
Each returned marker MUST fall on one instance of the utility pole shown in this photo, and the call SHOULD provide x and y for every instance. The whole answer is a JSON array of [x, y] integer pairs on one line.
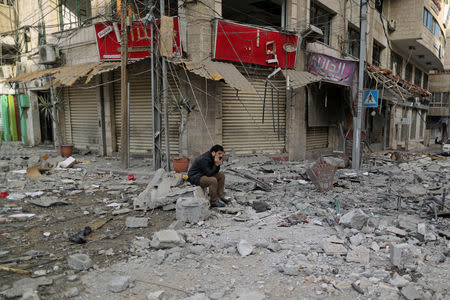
[[164, 86], [124, 158], [156, 104], [356, 153]]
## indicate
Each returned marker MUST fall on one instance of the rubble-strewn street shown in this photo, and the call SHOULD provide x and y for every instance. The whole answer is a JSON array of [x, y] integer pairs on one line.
[[89, 231]]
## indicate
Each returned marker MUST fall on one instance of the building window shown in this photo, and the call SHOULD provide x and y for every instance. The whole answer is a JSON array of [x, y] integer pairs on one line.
[[7, 2], [408, 72], [412, 135], [396, 64], [418, 77], [379, 5], [425, 81], [353, 41], [376, 54], [436, 29], [73, 13], [265, 13], [427, 19], [321, 18]]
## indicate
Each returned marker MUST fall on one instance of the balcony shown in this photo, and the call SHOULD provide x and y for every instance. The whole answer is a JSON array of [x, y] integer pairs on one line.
[[409, 34]]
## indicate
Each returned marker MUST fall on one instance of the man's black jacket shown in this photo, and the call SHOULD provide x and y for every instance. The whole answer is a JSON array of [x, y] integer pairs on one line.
[[203, 166]]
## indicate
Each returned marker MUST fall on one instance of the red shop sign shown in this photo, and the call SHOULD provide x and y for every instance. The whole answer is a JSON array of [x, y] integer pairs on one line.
[[255, 45], [108, 40]]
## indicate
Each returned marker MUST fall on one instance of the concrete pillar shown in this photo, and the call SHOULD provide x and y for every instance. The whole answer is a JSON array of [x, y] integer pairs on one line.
[[110, 127], [33, 122], [202, 132], [296, 125]]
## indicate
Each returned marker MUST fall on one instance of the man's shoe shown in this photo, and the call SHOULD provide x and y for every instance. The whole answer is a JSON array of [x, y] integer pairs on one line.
[[219, 203], [224, 200]]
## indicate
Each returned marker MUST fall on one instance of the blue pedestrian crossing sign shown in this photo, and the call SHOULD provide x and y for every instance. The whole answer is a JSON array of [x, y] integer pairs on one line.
[[371, 98]]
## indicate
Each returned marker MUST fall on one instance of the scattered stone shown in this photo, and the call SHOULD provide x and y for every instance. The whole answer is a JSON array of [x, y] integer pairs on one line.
[[119, 284], [333, 249], [38, 273], [121, 211], [67, 163], [192, 210], [72, 292], [168, 238], [416, 190], [357, 239], [397, 231], [4, 166], [79, 262], [260, 206], [251, 295], [47, 202], [177, 225], [199, 296], [288, 269], [356, 218], [30, 295], [360, 255], [15, 197], [158, 295], [24, 285], [398, 281], [338, 162], [72, 278], [375, 247], [401, 256], [135, 222], [410, 292], [244, 248]]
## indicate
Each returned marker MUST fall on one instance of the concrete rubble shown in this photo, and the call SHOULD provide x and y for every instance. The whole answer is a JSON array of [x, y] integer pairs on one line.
[[379, 233]]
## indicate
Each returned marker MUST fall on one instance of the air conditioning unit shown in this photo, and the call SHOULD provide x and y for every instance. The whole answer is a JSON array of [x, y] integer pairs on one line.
[[6, 71], [21, 68], [48, 54], [312, 34], [392, 25]]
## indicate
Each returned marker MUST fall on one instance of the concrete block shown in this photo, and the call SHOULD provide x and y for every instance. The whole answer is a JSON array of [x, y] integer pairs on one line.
[[134, 222], [167, 239], [333, 249], [4, 166], [355, 218], [360, 255], [192, 210], [410, 292], [79, 262], [119, 284], [158, 295], [244, 248], [402, 256], [338, 162]]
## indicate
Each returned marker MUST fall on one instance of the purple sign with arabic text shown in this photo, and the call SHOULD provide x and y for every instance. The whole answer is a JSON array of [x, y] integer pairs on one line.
[[332, 69]]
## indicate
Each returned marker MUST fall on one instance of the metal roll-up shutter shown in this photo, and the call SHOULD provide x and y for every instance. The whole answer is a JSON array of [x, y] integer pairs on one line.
[[242, 127], [316, 138], [81, 116], [141, 113]]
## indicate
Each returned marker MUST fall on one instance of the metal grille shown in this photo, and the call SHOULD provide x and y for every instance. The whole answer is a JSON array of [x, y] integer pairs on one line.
[[242, 127]]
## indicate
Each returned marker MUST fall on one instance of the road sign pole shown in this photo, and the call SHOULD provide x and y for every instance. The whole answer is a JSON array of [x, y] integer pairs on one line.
[[362, 56]]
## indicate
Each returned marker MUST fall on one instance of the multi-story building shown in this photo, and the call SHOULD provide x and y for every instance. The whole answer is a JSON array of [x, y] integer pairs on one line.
[[225, 61]]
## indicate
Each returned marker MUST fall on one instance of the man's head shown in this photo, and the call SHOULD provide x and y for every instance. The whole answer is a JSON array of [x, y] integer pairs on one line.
[[217, 151]]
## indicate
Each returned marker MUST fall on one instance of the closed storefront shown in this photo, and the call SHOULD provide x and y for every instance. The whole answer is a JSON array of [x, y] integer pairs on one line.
[[242, 113], [141, 112], [81, 116]]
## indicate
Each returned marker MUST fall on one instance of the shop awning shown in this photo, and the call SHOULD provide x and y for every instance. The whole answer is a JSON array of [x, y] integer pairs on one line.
[[68, 75], [217, 71], [300, 78], [395, 84]]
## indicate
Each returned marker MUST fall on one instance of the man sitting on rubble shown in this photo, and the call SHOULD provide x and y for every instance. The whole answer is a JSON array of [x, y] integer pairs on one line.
[[205, 173]]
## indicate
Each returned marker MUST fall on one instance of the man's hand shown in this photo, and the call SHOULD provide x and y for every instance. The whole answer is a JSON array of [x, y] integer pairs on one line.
[[218, 159]]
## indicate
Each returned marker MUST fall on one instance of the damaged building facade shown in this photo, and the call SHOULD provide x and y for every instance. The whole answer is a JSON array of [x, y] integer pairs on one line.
[[254, 76]]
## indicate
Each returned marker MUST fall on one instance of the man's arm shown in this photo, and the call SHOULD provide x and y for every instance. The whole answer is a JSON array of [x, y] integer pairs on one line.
[[207, 170]]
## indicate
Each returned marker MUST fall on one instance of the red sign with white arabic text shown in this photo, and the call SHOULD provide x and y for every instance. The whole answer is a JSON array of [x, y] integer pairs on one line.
[[249, 44], [108, 40]]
